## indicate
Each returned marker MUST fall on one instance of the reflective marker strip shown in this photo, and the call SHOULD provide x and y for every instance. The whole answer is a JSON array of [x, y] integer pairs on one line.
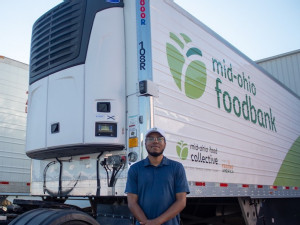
[[200, 183], [84, 157], [4, 182], [203, 184]]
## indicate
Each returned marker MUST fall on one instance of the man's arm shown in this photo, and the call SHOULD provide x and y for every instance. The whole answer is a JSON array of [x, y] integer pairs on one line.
[[171, 212], [135, 208]]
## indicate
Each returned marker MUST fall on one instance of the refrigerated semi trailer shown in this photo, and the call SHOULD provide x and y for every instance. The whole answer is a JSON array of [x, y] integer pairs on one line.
[[14, 164], [103, 72]]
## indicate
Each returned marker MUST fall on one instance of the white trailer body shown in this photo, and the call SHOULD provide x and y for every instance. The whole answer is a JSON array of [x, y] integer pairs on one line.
[[230, 124], [234, 128], [14, 164]]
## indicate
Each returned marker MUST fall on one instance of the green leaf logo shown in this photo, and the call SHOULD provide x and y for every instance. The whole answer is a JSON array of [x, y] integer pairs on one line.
[[182, 150], [289, 173], [193, 80]]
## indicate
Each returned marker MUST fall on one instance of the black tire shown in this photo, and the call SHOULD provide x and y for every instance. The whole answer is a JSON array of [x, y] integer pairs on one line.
[[54, 217]]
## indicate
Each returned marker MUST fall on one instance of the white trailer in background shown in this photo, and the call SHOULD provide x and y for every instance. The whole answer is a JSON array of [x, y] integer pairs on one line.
[[14, 164], [103, 72], [285, 68]]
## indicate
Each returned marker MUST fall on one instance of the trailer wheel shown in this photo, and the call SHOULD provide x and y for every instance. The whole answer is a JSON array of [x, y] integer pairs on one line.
[[54, 217]]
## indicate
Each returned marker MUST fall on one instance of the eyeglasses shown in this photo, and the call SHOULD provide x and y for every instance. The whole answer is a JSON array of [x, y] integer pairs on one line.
[[152, 139]]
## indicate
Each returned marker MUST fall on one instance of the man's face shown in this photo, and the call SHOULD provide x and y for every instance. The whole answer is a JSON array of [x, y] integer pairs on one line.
[[155, 144]]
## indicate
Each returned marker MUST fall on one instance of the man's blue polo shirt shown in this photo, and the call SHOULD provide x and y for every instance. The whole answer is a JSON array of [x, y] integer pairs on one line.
[[156, 187]]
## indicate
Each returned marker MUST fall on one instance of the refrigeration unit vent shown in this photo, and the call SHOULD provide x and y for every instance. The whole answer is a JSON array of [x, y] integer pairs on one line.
[[56, 37]]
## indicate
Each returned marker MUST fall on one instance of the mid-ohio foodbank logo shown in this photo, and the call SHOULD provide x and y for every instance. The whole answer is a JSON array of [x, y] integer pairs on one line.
[[190, 76], [192, 79]]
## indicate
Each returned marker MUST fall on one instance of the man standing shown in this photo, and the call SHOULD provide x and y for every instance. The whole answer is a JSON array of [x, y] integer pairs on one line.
[[156, 186]]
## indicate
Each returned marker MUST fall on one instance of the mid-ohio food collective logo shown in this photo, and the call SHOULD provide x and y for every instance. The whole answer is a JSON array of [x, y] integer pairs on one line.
[[192, 81], [182, 150], [198, 153]]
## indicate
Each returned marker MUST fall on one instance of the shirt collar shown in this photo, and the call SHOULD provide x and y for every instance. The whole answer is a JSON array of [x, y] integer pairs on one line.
[[164, 162]]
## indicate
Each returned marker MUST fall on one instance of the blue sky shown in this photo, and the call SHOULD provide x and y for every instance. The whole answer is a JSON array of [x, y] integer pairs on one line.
[[258, 28]]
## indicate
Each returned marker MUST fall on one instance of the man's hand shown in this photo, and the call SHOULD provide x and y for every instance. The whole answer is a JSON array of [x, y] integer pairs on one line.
[[138, 213], [174, 209], [135, 207], [151, 222]]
